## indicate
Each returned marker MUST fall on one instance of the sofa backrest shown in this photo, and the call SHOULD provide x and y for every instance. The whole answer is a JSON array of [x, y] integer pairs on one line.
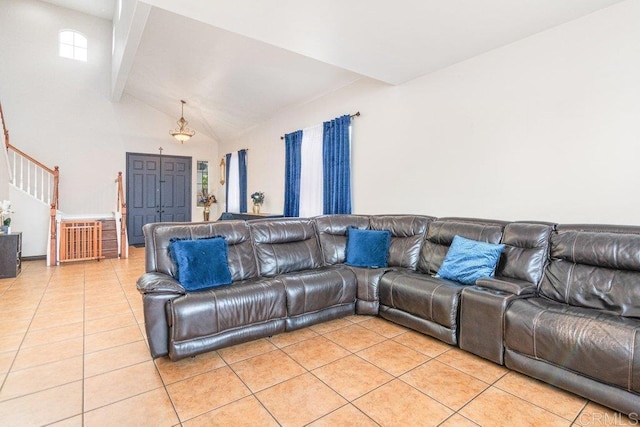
[[595, 266], [407, 234], [526, 251], [285, 245], [242, 261], [440, 234], [332, 232]]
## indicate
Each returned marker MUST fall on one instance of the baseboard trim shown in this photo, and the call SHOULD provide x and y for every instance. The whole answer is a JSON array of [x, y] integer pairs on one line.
[[34, 258]]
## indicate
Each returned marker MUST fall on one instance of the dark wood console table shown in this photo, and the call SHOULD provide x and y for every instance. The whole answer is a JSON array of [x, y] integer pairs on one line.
[[10, 254]]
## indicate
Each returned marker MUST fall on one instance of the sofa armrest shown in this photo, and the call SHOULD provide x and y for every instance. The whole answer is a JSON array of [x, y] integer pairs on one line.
[[155, 283], [508, 285]]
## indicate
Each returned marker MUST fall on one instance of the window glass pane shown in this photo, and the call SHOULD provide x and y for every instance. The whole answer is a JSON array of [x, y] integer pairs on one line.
[[80, 40], [66, 51], [81, 54], [66, 37]]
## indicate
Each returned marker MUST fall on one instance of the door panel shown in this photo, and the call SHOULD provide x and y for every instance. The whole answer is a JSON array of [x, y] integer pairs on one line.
[[158, 190]]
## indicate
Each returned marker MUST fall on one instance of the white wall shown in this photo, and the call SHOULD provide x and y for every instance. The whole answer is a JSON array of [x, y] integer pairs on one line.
[[59, 110], [547, 128]]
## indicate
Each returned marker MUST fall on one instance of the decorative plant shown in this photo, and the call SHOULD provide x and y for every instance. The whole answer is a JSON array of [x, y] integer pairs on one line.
[[5, 211], [258, 198]]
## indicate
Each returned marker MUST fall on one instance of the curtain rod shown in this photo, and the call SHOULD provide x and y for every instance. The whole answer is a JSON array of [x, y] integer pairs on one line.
[[357, 114]]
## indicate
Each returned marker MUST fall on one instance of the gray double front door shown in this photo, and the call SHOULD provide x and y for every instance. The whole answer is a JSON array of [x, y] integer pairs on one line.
[[158, 190]]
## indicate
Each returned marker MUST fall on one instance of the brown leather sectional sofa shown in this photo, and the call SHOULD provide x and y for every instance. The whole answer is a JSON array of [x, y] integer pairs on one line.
[[563, 306]]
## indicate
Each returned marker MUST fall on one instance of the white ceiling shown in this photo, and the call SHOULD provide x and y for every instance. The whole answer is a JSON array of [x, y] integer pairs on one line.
[[239, 62]]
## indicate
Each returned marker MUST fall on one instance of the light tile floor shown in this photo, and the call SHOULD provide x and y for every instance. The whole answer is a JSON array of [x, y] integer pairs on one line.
[[73, 352]]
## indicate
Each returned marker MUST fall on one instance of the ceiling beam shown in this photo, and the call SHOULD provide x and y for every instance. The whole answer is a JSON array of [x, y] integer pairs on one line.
[[128, 32]]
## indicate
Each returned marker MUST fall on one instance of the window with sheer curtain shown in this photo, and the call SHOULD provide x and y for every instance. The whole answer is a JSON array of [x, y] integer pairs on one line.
[[236, 182], [318, 169]]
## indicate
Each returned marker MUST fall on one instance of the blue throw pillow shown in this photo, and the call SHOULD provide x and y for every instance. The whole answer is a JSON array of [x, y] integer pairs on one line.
[[469, 260], [202, 263], [367, 248]]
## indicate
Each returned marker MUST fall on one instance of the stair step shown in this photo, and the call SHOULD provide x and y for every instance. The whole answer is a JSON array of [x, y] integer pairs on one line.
[[109, 239]]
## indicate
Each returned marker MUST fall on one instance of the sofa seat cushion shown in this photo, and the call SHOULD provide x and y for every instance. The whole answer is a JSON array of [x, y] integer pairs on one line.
[[599, 345], [314, 290], [200, 314], [421, 295]]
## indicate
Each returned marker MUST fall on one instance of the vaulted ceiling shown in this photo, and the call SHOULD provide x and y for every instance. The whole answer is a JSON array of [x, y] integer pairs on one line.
[[237, 63]]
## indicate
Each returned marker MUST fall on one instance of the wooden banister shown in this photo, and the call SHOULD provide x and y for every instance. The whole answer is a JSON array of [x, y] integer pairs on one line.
[[55, 195], [122, 208]]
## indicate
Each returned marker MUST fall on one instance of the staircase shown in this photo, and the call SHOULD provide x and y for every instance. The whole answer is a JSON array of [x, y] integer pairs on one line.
[[40, 184], [109, 238]]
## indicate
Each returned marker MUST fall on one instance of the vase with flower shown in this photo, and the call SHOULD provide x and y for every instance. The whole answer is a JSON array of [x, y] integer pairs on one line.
[[258, 200]]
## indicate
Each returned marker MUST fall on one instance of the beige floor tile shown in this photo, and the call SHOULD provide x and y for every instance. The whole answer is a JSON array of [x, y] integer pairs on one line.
[[104, 324], [346, 416], [393, 357], [354, 337], [332, 325], [246, 350], [93, 313], [315, 352], [11, 342], [244, 412], [51, 320], [115, 358], [172, 372], [52, 335], [149, 409], [112, 338], [357, 318], [41, 377], [205, 392], [383, 327], [352, 377], [300, 400], [69, 422], [288, 338], [422, 343], [597, 415], [47, 353], [498, 408], [120, 384], [457, 420], [473, 365], [445, 384], [560, 402], [44, 407], [16, 326], [397, 403], [266, 370]]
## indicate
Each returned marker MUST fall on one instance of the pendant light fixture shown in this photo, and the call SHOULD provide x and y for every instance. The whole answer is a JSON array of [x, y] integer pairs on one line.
[[183, 133]]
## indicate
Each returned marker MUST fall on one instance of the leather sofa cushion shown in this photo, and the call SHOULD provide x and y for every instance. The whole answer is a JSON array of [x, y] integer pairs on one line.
[[602, 346], [285, 245], [440, 234], [407, 235], [315, 290], [242, 262], [526, 250], [594, 269], [332, 232], [421, 295], [200, 314]]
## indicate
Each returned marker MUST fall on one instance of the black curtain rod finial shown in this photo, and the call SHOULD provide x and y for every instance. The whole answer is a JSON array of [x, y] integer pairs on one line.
[[356, 114]]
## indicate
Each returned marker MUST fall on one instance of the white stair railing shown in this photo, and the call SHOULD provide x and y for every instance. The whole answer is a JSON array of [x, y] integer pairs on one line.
[[31, 176]]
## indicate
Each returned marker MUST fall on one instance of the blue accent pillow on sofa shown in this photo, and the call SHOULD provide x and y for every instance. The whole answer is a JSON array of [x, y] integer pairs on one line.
[[367, 248], [469, 260], [202, 263]]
